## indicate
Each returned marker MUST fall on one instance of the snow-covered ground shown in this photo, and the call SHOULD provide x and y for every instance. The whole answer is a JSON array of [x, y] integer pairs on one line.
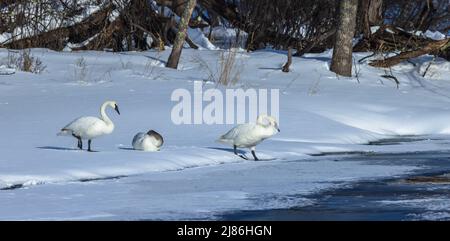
[[193, 176]]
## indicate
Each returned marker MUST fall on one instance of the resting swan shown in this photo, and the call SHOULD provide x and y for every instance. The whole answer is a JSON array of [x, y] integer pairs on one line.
[[88, 127], [249, 135], [150, 141]]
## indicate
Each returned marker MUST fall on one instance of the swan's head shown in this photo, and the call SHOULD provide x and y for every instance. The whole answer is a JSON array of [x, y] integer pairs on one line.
[[267, 121], [113, 105], [157, 136]]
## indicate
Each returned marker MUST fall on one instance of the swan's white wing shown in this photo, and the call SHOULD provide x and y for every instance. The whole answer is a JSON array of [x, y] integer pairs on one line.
[[137, 140], [242, 136], [82, 122], [250, 137], [85, 126], [229, 136], [142, 141], [156, 138], [154, 141]]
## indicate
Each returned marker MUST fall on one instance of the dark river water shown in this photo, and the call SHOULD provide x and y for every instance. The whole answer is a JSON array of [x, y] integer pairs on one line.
[[421, 195]]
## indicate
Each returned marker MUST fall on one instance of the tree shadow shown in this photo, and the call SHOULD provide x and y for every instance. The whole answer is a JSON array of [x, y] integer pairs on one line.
[[323, 59], [154, 58], [277, 51]]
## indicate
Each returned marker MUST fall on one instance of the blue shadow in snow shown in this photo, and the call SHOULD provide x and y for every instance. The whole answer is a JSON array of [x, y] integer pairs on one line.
[[126, 148], [323, 59], [57, 148], [227, 150], [154, 58], [270, 68]]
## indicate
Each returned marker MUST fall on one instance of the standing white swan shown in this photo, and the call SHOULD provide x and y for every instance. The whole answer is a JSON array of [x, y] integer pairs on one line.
[[89, 127], [249, 135], [150, 141]]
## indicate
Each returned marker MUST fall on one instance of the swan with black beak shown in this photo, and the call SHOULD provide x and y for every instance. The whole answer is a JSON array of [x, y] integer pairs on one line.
[[89, 127], [251, 134]]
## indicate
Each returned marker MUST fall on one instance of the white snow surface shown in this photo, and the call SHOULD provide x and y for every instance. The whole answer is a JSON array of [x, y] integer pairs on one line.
[[192, 176], [199, 38], [435, 35]]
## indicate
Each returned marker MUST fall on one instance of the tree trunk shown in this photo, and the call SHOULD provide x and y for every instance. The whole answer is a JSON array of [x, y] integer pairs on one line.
[[341, 62], [375, 12], [181, 35], [424, 20], [372, 14], [289, 61]]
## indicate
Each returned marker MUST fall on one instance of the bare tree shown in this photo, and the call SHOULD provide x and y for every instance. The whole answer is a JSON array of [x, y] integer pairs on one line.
[[308, 26], [371, 14], [341, 62], [289, 61], [174, 57]]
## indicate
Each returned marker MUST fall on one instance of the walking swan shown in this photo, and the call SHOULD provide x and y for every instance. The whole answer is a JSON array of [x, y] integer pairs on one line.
[[249, 135], [150, 141], [89, 127]]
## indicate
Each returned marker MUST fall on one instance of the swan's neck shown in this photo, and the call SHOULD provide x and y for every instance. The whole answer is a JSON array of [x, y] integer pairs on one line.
[[104, 116]]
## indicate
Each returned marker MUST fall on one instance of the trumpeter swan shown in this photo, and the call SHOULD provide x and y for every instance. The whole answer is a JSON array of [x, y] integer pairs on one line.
[[89, 127], [150, 141], [249, 135]]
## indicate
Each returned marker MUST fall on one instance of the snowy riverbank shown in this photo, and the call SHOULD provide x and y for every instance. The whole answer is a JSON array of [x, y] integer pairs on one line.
[[319, 112]]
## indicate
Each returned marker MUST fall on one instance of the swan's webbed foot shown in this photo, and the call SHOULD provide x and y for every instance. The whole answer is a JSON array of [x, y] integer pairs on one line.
[[242, 156]]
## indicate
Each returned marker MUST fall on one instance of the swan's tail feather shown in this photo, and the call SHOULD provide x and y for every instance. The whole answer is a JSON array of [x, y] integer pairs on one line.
[[64, 132], [224, 140]]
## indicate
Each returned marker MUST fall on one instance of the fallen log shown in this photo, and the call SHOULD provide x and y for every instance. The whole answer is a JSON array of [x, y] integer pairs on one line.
[[389, 38], [432, 47], [56, 39], [104, 39], [120, 28]]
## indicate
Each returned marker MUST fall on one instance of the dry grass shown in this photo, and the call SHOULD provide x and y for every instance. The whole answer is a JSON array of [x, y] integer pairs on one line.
[[80, 71], [24, 61], [228, 68], [229, 71]]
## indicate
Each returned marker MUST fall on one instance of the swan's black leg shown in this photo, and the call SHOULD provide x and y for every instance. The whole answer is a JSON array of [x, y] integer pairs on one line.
[[80, 143], [254, 155], [239, 155], [89, 145]]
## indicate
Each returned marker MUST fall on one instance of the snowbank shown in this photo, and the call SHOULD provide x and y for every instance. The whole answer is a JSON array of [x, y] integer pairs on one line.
[[319, 112]]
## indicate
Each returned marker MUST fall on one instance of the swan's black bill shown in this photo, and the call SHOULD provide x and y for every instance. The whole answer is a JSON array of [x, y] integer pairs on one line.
[[117, 109], [278, 130]]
